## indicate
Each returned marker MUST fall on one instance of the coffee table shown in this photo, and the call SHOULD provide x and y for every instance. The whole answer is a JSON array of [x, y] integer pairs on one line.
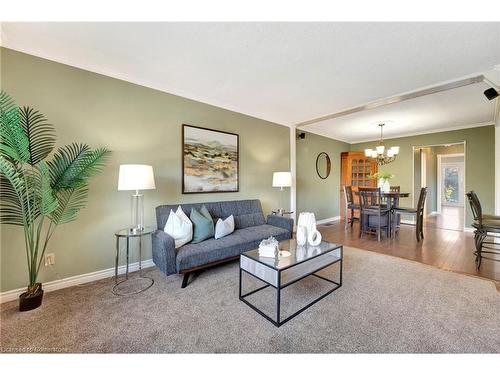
[[282, 271]]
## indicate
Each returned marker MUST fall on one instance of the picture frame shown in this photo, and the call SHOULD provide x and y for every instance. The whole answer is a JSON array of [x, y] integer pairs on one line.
[[210, 160]]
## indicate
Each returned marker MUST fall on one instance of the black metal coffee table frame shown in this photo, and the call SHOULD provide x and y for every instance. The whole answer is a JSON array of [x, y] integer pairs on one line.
[[278, 322]]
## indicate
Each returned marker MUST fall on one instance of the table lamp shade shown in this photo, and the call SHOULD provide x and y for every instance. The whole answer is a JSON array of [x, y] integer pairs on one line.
[[282, 179], [136, 177]]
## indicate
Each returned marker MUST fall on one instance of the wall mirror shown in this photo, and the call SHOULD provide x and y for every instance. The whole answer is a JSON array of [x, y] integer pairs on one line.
[[323, 165]]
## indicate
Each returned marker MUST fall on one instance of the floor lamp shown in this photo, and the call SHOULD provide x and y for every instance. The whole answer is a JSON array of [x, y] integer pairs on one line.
[[136, 177]]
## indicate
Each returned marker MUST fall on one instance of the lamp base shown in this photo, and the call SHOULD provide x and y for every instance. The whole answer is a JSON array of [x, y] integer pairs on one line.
[[137, 213]]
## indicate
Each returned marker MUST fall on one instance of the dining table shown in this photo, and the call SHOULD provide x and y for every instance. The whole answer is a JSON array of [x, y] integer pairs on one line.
[[392, 199]]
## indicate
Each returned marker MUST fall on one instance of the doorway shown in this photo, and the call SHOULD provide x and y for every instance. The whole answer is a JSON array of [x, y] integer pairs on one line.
[[441, 168]]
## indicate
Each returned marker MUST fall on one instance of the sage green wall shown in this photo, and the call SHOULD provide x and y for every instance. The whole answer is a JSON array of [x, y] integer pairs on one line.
[[479, 161], [139, 125], [313, 193]]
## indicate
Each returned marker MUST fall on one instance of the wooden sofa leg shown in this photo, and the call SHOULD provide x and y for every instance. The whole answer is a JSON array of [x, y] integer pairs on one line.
[[185, 280]]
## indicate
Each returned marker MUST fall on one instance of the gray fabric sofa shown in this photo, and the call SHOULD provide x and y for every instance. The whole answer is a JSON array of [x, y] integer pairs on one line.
[[250, 228]]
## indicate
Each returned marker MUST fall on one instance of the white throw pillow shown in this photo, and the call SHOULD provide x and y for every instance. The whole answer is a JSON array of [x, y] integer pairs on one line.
[[224, 227], [179, 227]]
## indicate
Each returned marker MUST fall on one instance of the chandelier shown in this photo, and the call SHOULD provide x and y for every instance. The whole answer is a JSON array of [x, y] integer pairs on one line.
[[380, 153]]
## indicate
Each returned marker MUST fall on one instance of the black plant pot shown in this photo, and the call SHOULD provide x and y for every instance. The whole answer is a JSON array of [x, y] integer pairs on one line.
[[31, 301]]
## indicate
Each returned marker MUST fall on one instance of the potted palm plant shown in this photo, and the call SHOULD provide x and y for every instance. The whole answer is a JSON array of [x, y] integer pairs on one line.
[[37, 194]]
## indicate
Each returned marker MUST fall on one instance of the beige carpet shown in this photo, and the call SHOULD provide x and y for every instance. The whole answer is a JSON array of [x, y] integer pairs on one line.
[[386, 304]]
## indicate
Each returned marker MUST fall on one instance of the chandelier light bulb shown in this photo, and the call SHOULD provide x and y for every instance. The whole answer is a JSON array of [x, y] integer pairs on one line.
[[380, 150], [368, 152]]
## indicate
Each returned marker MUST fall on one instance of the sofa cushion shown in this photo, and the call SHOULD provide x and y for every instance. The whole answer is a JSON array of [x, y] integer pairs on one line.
[[202, 223], [224, 228], [246, 212], [241, 240]]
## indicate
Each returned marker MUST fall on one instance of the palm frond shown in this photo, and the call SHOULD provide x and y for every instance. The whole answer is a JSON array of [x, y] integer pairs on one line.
[[66, 165], [6, 102], [71, 201], [41, 135], [73, 165], [14, 143], [48, 202], [12, 193], [93, 163]]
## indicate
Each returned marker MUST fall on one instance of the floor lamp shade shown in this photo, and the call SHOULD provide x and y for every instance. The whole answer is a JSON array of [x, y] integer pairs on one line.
[[136, 177]]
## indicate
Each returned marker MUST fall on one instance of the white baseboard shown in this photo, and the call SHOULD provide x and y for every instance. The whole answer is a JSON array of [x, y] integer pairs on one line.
[[328, 220], [469, 229], [434, 213], [11, 295]]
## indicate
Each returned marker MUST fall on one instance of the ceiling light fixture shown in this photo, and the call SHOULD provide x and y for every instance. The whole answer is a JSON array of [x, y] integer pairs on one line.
[[381, 154]]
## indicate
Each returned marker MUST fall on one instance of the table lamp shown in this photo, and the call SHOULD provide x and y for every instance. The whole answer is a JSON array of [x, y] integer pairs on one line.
[[282, 180], [136, 177]]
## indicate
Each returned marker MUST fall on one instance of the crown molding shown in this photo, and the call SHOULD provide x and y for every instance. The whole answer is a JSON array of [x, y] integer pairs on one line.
[[93, 68], [324, 134], [432, 131]]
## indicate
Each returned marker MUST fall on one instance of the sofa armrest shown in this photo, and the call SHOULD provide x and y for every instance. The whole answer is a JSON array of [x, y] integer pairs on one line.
[[164, 252], [280, 221]]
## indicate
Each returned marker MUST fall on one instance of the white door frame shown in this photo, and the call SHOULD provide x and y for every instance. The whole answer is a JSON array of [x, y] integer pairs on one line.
[[465, 170], [439, 178]]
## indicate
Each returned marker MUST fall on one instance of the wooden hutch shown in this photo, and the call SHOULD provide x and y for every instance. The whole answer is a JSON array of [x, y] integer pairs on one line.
[[355, 171]]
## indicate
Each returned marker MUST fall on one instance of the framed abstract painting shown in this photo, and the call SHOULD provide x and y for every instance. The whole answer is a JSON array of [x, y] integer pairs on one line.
[[210, 160]]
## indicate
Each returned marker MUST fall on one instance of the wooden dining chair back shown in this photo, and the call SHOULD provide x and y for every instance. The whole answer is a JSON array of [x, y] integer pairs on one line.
[[421, 200], [475, 206], [349, 206], [374, 214], [417, 211], [372, 197], [395, 189], [487, 230]]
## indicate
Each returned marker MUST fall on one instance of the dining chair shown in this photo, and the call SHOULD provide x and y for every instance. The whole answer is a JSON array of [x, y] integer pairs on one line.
[[395, 189], [374, 214], [418, 212], [485, 226], [368, 188], [349, 205]]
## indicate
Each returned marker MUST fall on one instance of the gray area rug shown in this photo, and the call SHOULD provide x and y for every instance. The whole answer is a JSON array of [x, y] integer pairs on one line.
[[386, 304]]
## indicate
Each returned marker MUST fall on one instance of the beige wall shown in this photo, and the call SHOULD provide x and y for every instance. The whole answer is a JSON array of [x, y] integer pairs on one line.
[[313, 193], [479, 161], [139, 125]]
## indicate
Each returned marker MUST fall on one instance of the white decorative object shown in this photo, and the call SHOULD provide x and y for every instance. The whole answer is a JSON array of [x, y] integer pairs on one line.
[[179, 227], [136, 177], [224, 227], [384, 185], [308, 221], [314, 238], [301, 235], [268, 248]]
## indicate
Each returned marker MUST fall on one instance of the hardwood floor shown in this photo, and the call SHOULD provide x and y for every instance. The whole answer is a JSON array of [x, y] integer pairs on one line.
[[446, 249], [450, 218]]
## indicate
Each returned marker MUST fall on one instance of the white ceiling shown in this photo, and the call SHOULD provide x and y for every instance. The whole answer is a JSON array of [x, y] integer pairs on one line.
[[287, 72], [455, 109]]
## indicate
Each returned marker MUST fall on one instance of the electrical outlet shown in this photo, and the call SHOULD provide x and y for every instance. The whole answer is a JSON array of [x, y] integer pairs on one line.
[[50, 259]]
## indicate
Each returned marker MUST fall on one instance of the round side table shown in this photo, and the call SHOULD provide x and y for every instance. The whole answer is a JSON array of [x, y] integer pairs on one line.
[[127, 234]]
